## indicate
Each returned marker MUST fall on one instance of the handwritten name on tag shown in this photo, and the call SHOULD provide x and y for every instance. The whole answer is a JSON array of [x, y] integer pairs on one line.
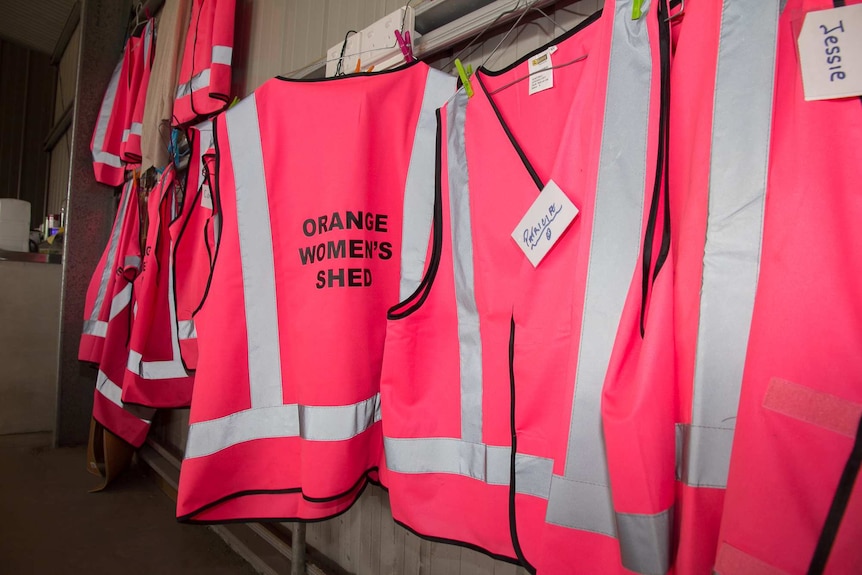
[[544, 223], [206, 197], [830, 53]]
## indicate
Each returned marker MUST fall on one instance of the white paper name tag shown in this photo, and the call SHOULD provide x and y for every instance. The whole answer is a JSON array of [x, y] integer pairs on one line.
[[541, 72], [830, 53], [544, 223], [206, 197]]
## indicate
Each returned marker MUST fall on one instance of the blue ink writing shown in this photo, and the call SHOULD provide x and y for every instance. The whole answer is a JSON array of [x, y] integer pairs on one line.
[[832, 51], [533, 234]]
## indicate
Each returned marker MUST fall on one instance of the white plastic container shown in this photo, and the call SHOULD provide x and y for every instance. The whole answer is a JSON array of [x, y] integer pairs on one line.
[[14, 225]]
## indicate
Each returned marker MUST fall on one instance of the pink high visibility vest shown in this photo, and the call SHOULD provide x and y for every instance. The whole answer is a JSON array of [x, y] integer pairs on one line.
[[794, 498], [130, 423], [323, 188], [193, 241], [143, 53], [204, 85], [155, 375], [494, 371], [102, 303], [107, 141]]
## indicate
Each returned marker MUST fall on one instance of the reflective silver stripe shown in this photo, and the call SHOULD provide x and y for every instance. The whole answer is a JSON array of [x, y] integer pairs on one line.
[[108, 159], [99, 155], [742, 117], [487, 463], [113, 393], [582, 498], [198, 81], [222, 55], [165, 369], [95, 328], [312, 422], [580, 505], [126, 133], [186, 329], [644, 544], [419, 189], [120, 301], [148, 41], [338, 422], [255, 246], [469, 341], [132, 261], [110, 262], [136, 128]]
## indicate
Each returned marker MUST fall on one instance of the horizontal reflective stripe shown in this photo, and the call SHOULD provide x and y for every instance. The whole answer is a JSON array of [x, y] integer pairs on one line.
[[222, 55], [132, 261], [137, 128], [592, 501], [172, 369], [120, 301], [818, 408], [338, 422], [645, 541], [108, 159], [95, 327], [487, 463], [113, 393], [198, 81], [126, 135], [705, 455], [186, 329], [312, 422]]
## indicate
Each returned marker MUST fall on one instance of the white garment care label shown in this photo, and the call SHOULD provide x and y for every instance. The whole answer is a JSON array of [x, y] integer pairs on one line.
[[206, 197], [830, 53], [541, 72], [544, 223]]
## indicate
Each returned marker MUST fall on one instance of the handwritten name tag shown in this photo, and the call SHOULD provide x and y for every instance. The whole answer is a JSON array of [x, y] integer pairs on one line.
[[830, 53], [206, 197], [544, 223]]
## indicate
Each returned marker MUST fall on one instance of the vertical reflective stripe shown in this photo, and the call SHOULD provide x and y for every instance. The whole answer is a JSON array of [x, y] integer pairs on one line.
[[255, 246], [742, 117], [110, 260], [126, 134], [222, 55], [99, 155], [198, 81], [469, 341], [584, 491], [419, 188], [148, 41]]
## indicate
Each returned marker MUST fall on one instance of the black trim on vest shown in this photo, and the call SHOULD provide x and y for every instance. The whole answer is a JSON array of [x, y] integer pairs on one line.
[[838, 507], [661, 181], [529, 167], [357, 487], [513, 521], [349, 76], [215, 192], [415, 300], [457, 543]]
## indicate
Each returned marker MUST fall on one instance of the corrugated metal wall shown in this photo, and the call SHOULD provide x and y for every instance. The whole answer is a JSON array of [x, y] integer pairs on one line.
[[26, 88], [58, 181], [276, 37]]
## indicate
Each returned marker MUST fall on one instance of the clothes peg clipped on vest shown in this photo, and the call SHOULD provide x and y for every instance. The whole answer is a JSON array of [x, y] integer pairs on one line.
[[465, 78]]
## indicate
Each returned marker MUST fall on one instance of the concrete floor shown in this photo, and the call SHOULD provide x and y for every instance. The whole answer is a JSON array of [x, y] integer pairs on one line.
[[50, 524]]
